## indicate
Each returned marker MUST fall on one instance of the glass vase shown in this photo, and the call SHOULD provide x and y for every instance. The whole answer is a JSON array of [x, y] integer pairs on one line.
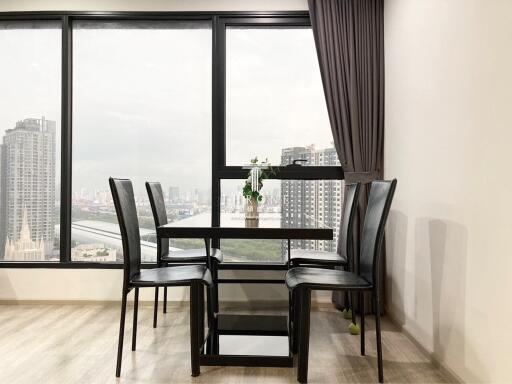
[[252, 215]]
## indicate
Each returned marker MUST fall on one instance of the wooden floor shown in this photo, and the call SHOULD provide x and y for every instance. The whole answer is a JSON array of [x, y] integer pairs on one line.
[[77, 344]]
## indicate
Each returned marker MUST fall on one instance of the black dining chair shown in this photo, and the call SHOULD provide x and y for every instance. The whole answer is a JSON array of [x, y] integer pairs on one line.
[[185, 256], [194, 276], [302, 280], [341, 258], [344, 256]]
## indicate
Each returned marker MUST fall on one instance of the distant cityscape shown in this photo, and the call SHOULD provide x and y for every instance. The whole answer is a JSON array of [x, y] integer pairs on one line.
[[29, 227]]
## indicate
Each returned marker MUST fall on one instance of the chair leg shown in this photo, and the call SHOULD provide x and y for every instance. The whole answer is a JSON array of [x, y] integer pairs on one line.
[[361, 308], [215, 291], [379, 341], [155, 309], [200, 296], [135, 312], [216, 339], [121, 334], [165, 300], [296, 320], [348, 309], [346, 301], [352, 307], [291, 310], [290, 321], [302, 371], [210, 322], [194, 327], [212, 345]]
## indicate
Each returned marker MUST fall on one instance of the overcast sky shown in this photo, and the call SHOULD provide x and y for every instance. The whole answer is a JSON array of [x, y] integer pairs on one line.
[[30, 77], [142, 98]]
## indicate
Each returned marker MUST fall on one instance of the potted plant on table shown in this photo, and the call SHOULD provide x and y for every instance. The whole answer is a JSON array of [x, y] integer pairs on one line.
[[252, 187]]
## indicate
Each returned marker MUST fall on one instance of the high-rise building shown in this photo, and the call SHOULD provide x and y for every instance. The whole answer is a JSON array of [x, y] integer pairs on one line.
[[312, 203], [174, 194], [28, 182]]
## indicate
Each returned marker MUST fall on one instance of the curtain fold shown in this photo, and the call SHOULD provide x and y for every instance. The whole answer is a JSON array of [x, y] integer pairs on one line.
[[349, 38]]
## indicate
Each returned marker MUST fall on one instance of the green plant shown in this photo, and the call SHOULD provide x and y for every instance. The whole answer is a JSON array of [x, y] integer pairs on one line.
[[247, 191]]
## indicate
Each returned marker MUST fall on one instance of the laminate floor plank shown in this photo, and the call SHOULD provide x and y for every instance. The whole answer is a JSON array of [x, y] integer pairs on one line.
[[71, 343]]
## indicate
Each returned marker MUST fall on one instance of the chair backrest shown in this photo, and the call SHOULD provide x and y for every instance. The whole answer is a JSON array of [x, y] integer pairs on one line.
[[345, 247], [124, 202], [156, 199], [379, 203]]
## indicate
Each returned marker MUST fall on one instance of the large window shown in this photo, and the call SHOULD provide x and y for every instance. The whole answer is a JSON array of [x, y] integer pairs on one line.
[[30, 81], [186, 99], [141, 110], [275, 111]]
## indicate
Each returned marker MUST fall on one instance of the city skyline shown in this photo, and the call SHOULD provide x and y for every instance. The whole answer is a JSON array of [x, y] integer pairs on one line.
[[187, 194], [182, 203]]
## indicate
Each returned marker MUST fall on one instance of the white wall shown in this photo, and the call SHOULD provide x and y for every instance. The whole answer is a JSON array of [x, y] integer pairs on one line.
[[27, 284], [448, 138], [106, 284]]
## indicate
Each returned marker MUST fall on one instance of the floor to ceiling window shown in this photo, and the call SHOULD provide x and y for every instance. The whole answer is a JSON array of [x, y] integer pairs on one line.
[[30, 86], [276, 112], [141, 110]]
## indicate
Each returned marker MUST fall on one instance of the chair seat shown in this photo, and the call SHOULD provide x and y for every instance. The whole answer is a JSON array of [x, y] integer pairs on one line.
[[306, 256], [324, 279], [192, 256], [172, 276]]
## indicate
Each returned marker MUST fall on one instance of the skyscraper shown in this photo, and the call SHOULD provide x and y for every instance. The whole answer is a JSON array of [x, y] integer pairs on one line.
[[312, 203], [174, 194], [27, 182]]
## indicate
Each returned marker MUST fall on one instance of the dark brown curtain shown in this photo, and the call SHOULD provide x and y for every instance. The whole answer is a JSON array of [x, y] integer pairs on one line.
[[349, 38]]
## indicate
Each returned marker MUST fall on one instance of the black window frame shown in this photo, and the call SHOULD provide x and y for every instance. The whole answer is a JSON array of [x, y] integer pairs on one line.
[[220, 171]]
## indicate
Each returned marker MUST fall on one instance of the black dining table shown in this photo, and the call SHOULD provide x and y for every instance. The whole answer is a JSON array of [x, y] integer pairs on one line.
[[243, 326]]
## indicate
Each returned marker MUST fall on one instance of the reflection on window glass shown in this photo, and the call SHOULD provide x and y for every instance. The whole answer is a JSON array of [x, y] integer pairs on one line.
[[286, 203], [30, 80], [274, 95], [142, 110]]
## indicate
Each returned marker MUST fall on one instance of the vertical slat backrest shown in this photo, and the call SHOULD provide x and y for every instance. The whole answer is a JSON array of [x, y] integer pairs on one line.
[[347, 221], [124, 201], [156, 199], [379, 203]]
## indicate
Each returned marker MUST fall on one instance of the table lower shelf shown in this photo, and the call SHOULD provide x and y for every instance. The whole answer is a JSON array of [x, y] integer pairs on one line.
[[256, 325], [246, 361], [255, 335]]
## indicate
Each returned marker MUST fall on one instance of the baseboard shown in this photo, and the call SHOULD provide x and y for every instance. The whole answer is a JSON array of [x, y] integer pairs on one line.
[[273, 304], [433, 359], [75, 302]]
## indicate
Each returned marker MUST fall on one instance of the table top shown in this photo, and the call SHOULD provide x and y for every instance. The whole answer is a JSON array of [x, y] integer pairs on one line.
[[295, 233]]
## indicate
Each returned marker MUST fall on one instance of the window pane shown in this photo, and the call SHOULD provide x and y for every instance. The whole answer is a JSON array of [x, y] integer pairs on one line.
[[142, 110], [295, 203], [274, 94], [30, 80]]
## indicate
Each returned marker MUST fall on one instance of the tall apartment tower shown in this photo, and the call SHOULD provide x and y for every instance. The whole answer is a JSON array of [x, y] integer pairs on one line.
[[27, 183], [174, 194], [312, 203]]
